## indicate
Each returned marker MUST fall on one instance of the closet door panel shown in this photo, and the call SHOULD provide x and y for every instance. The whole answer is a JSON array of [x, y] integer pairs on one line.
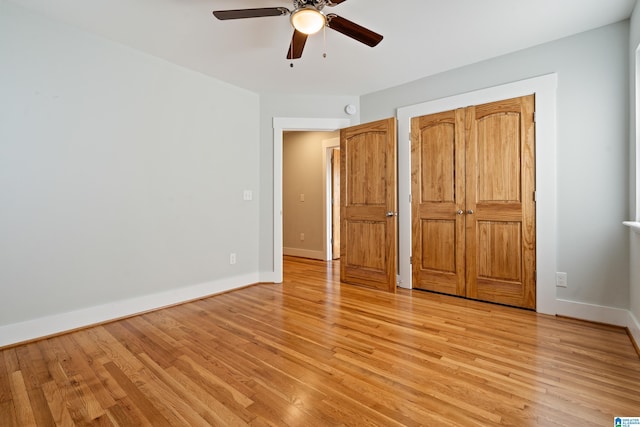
[[500, 220], [437, 188]]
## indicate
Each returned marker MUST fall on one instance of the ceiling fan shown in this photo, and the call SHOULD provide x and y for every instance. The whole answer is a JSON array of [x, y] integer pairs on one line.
[[307, 18]]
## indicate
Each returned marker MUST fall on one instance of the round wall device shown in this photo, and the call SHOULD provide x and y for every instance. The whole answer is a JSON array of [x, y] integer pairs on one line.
[[350, 109]]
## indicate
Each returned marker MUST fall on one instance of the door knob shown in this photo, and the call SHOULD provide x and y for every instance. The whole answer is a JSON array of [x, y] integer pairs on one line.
[[470, 211], [459, 211], [390, 213]]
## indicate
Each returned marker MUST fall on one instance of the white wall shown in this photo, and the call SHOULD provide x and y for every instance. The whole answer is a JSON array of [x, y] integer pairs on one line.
[[121, 177], [592, 164]]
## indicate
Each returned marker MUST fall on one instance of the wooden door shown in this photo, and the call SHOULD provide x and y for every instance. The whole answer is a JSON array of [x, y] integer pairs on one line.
[[473, 205], [368, 205], [500, 202], [437, 195], [335, 203]]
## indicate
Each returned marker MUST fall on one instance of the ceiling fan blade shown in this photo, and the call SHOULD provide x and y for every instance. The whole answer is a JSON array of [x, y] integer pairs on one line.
[[250, 13], [353, 30], [297, 45]]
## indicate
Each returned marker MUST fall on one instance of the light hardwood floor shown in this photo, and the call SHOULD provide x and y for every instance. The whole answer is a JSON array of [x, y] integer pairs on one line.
[[314, 352]]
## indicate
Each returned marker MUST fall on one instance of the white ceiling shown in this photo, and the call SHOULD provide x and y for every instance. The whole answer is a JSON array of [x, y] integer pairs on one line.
[[421, 37]]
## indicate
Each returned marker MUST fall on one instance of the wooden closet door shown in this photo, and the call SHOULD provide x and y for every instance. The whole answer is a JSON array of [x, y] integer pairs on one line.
[[437, 202], [500, 204], [472, 202]]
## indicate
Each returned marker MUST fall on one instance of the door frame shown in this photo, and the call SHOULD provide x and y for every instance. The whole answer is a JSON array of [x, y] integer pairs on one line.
[[281, 124], [327, 146], [544, 87]]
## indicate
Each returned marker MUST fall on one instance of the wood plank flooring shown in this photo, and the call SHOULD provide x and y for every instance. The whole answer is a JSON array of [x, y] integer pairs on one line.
[[314, 352]]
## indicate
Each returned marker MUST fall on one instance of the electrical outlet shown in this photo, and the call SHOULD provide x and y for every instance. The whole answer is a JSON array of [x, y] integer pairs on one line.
[[232, 258], [561, 280], [302, 236]]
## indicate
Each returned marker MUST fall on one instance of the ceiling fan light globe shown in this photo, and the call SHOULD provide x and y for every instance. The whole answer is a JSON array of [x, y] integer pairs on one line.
[[308, 20]]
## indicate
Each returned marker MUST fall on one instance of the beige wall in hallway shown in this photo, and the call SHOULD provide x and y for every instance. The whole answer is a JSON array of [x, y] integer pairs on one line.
[[303, 174]]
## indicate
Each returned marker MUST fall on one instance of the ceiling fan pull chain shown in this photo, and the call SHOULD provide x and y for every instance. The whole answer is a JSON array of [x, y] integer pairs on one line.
[[324, 38]]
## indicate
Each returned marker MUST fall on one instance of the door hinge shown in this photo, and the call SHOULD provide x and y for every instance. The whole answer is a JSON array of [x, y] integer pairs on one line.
[[410, 260], [409, 198], [535, 196]]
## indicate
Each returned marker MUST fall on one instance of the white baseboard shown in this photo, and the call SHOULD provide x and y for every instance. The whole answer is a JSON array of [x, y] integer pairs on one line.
[[268, 277], [50, 325], [601, 314], [593, 312], [304, 253], [634, 328]]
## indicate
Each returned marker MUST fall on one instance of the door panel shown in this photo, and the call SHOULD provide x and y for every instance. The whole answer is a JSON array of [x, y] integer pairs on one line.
[[499, 250], [368, 192], [366, 169], [437, 188], [439, 245], [498, 163], [370, 259], [438, 180]]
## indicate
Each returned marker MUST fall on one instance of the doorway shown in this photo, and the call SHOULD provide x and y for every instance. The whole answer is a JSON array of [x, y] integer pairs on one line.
[[365, 142], [308, 193], [280, 125]]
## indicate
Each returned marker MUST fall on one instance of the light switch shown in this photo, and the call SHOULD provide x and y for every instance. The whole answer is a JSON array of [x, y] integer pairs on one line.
[[248, 195], [302, 197]]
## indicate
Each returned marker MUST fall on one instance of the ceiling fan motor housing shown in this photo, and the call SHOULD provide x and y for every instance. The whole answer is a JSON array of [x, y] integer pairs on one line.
[[317, 4]]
